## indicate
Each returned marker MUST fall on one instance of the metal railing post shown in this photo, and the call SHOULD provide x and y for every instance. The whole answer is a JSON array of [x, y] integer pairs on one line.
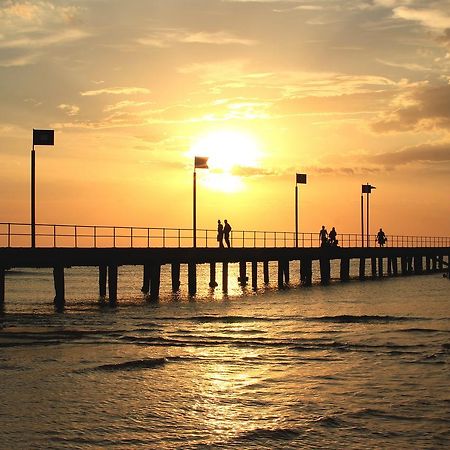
[[76, 237]]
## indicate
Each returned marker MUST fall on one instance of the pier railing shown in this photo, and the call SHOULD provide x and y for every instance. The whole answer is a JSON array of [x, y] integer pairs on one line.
[[14, 234]]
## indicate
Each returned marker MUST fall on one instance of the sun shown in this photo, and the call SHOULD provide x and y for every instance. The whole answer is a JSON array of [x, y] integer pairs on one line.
[[227, 152]]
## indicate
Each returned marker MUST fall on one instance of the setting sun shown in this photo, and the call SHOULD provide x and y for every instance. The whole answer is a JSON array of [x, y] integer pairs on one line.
[[227, 150]]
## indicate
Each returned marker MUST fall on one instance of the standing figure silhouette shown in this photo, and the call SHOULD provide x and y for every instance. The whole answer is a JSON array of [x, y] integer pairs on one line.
[[226, 232], [220, 233]]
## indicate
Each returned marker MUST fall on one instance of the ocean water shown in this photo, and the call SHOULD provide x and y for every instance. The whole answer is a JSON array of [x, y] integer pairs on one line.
[[358, 365]]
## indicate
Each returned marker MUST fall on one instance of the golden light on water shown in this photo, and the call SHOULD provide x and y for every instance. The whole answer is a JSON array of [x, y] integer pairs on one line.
[[227, 151]]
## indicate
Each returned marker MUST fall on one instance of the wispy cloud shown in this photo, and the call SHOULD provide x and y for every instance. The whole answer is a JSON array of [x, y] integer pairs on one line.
[[70, 110], [431, 18], [116, 91], [163, 38]]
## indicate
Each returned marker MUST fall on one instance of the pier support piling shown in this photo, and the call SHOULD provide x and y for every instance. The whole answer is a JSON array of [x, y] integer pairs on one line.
[[112, 284], [58, 279], [389, 266], [280, 275], [242, 273], [192, 278], [428, 264], [404, 265], [306, 271], [2, 287], [418, 265], [373, 265], [102, 279], [146, 279], [345, 269], [395, 266], [225, 277], [254, 275], [325, 270], [212, 275], [155, 281], [266, 272], [380, 267], [175, 276], [409, 260], [362, 268]]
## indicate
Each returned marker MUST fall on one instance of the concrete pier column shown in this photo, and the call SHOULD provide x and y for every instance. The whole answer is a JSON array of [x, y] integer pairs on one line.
[[266, 272], [175, 276], [404, 265], [192, 278], [255, 275], [380, 267], [362, 268], [418, 265], [112, 284], [2, 287], [146, 279], [325, 270], [212, 275], [373, 265], [225, 277], [306, 271], [395, 266], [102, 279], [155, 281], [389, 266], [58, 279], [440, 263], [243, 273], [345, 269]]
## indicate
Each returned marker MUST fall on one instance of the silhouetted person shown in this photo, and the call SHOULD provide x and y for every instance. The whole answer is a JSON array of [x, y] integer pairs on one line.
[[381, 238], [220, 233], [332, 237], [226, 233], [323, 236]]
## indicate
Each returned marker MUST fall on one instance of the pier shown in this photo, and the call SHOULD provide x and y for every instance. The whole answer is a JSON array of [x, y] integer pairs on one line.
[[418, 256]]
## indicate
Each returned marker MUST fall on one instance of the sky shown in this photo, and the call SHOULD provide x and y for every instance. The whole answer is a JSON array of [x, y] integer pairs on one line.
[[347, 91]]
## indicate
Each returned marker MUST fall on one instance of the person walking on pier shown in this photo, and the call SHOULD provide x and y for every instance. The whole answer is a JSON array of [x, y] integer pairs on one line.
[[323, 236], [220, 233], [332, 238], [381, 238], [226, 233]]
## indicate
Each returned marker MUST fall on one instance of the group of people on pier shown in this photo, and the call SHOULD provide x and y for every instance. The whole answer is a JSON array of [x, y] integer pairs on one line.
[[328, 239], [223, 233]]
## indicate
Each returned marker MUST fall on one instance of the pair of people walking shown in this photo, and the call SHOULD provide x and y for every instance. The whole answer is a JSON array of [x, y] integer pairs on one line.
[[328, 240], [223, 232]]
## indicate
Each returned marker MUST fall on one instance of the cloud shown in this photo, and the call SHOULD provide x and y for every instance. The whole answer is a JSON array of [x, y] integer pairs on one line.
[[432, 18], [116, 91], [245, 171], [163, 38], [70, 110], [425, 107], [424, 153]]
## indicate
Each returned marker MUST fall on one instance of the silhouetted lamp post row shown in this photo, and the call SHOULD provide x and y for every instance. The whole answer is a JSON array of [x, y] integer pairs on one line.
[[365, 189], [40, 137], [300, 178]]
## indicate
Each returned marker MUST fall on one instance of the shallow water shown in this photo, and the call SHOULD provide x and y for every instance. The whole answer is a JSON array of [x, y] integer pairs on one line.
[[356, 365]]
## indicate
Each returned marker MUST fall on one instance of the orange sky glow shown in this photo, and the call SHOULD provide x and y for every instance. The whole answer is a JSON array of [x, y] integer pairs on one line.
[[348, 92]]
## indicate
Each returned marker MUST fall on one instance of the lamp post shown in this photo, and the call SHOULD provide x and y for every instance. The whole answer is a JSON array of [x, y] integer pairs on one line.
[[40, 137], [365, 189], [300, 178], [200, 162]]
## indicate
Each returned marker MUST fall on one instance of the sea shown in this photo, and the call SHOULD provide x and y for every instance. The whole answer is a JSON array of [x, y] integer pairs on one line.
[[356, 365]]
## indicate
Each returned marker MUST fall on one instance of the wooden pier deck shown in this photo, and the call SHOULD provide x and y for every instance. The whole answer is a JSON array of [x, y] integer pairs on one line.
[[384, 261]]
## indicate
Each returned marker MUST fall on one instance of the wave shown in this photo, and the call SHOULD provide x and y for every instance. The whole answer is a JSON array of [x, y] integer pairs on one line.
[[235, 319], [149, 363], [348, 318]]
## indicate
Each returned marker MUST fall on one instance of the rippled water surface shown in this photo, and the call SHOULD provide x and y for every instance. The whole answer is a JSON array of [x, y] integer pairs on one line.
[[355, 365]]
